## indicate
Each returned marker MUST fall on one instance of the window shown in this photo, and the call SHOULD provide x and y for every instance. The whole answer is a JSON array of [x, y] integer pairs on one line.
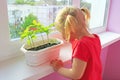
[[98, 11], [19, 9], [13, 13]]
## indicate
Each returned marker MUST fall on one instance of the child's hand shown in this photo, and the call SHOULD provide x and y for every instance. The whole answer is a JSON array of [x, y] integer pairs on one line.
[[56, 64]]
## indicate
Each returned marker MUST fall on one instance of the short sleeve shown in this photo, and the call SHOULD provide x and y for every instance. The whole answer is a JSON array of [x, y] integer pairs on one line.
[[81, 52]]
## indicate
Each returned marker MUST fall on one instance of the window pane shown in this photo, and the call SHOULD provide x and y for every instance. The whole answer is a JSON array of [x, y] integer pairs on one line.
[[98, 11], [23, 12]]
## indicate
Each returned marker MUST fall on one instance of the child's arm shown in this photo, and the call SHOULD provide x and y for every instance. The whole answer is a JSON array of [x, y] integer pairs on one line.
[[76, 72]]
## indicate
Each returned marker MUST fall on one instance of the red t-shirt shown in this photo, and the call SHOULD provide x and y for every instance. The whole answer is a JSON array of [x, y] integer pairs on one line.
[[88, 49]]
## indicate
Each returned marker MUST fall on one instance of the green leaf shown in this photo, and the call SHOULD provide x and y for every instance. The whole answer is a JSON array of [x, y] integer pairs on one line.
[[34, 22], [28, 42], [34, 37], [23, 36]]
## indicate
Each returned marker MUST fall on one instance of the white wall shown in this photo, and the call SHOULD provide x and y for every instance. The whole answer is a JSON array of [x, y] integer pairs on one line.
[[7, 48]]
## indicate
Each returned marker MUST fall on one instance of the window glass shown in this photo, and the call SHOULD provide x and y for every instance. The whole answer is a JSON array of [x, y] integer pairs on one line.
[[98, 10], [22, 12]]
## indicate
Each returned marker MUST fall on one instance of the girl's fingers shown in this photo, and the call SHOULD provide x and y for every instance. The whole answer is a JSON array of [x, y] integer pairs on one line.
[[53, 60], [56, 63]]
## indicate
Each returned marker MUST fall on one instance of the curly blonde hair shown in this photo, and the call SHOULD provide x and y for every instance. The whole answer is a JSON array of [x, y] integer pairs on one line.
[[71, 19]]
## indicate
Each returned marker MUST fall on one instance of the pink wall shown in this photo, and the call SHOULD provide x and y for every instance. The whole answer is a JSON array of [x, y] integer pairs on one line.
[[112, 66], [104, 57], [114, 16]]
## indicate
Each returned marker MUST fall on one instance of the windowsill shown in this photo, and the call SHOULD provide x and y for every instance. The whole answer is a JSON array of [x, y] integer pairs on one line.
[[16, 69], [107, 38]]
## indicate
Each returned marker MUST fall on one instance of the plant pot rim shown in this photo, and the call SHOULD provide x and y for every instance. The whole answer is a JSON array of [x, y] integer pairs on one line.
[[41, 50]]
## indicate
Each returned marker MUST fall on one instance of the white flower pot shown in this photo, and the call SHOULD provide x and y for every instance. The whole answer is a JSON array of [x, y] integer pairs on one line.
[[35, 58]]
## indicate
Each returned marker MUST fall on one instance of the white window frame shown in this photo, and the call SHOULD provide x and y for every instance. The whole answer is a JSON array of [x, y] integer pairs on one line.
[[10, 48]]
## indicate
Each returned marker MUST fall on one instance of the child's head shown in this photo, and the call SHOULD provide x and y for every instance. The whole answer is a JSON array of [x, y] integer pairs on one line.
[[71, 20]]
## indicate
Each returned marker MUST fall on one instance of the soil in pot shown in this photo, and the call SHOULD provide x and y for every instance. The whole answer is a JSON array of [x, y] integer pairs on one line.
[[43, 46]]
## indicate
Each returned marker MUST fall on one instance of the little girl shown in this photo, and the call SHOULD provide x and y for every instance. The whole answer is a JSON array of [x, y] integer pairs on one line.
[[72, 22]]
